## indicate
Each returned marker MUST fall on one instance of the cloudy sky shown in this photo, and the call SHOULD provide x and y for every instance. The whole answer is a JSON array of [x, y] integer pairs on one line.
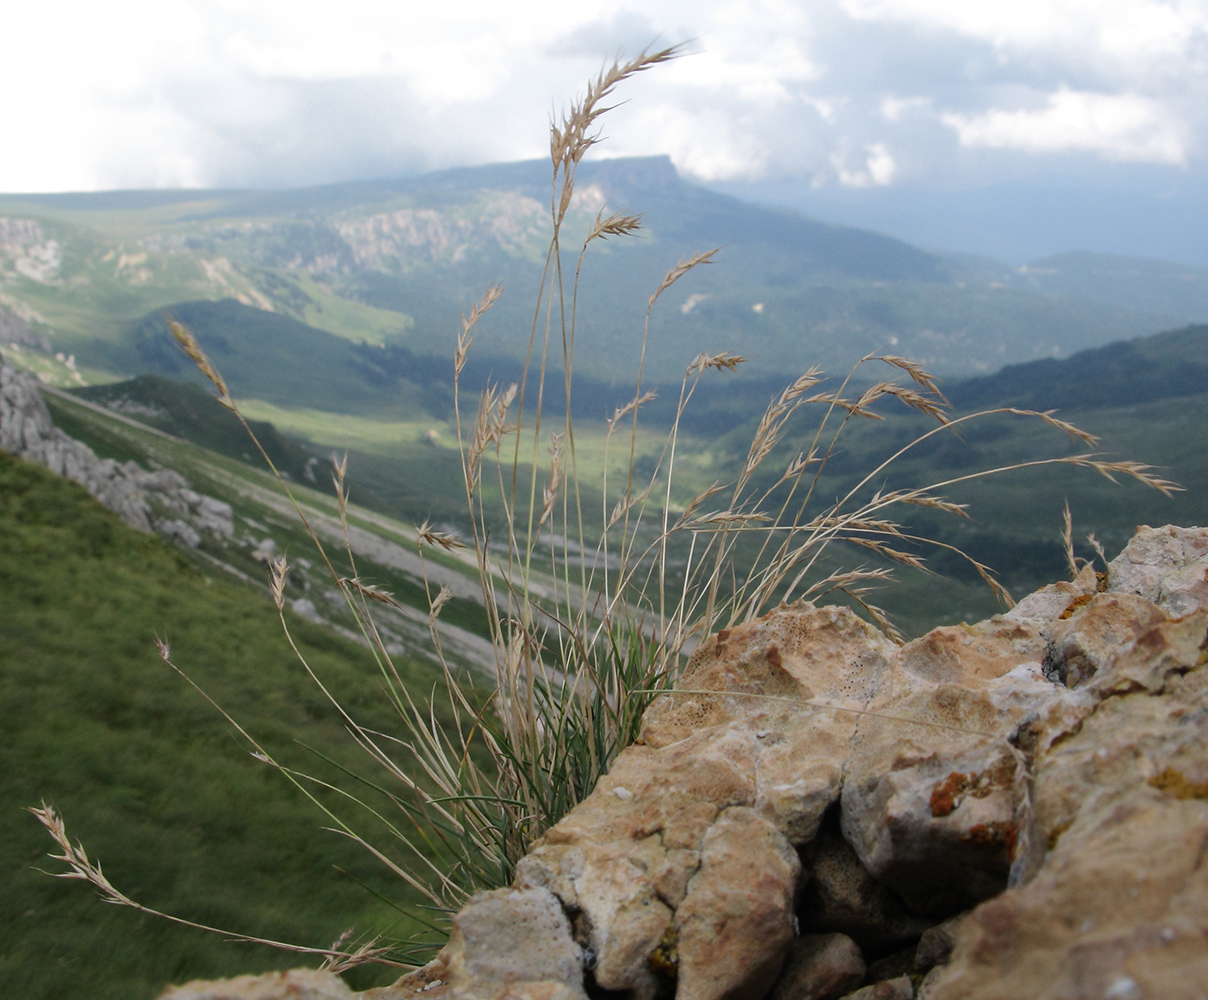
[[963, 124]]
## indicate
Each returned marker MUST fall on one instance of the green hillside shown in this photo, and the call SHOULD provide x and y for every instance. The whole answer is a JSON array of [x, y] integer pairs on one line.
[[1145, 398], [262, 355], [188, 411], [1163, 366], [1147, 401], [152, 780]]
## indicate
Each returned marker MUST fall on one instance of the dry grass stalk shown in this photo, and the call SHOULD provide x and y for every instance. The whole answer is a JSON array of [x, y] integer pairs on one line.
[[465, 337], [631, 407], [439, 601], [278, 572], [617, 224], [1067, 541], [369, 591]]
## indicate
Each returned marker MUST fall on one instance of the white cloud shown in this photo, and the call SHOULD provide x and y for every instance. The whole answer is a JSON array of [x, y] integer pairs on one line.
[[1129, 30], [1116, 126], [707, 144], [877, 170], [895, 108], [213, 92]]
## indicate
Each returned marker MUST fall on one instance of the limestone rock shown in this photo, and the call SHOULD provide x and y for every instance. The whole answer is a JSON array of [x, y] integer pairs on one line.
[[296, 984], [155, 500], [929, 798], [819, 967], [1048, 604], [900, 988], [1168, 566], [1114, 898], [743, 760], [513, 945], [736, 921], [1084, 642], [915, 783], [936, 944]]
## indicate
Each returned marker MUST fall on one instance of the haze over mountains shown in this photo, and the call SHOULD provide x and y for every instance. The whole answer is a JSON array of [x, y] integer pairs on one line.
[[390, 263]]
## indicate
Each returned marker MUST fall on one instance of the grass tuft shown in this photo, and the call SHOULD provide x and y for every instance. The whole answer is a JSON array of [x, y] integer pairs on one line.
[[593, 611]]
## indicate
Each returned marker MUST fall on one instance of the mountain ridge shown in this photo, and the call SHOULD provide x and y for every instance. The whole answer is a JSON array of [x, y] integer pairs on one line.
[[396, 260]]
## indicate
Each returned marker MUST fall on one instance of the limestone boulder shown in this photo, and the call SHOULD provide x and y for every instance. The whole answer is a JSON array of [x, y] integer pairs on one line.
[[735, 925], [513, 944], [930, 792], [820, 967], [1113, 900], [1168, 566], [1080, 644], [733, 771]]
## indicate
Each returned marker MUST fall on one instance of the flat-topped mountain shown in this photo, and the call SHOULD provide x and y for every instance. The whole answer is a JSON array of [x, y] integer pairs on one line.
[[393, 261]]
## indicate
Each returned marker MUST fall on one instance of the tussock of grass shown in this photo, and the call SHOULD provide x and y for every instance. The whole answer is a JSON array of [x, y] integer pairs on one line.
[[596, 589]]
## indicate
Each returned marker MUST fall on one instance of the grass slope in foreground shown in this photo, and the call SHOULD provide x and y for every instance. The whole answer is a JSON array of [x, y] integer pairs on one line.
[[147, 774]]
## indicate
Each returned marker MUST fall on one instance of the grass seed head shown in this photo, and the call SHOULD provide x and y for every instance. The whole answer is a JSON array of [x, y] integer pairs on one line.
[[279, 570], [427, 535], [188, 343]]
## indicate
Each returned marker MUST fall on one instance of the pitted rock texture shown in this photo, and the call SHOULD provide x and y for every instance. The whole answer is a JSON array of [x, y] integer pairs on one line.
[[152, 501], [1116, 899], [820, 967], [511, 944], [296, 984], [1015, 808]]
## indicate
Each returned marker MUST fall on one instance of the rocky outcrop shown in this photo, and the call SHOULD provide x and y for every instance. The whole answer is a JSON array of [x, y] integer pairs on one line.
[[1015, 808], [158, 500]]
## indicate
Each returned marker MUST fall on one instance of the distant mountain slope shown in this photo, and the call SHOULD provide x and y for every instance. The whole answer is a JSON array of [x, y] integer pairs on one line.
[[394, 261], [1163, 366], [1135, 282], [261, 355], [188, 411]]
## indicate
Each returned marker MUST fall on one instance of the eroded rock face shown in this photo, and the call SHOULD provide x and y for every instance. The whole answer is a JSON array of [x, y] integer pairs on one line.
[[820, 967], [689, 841], [1024, 799], [296, 984], [1117, 901], [152, 501]]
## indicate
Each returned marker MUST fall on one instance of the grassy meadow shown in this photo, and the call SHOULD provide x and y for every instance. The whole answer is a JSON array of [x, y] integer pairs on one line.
[[148, 775]]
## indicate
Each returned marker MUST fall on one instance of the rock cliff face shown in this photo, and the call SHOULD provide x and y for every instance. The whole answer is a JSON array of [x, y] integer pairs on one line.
[[1016, 808], [158, 501]]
